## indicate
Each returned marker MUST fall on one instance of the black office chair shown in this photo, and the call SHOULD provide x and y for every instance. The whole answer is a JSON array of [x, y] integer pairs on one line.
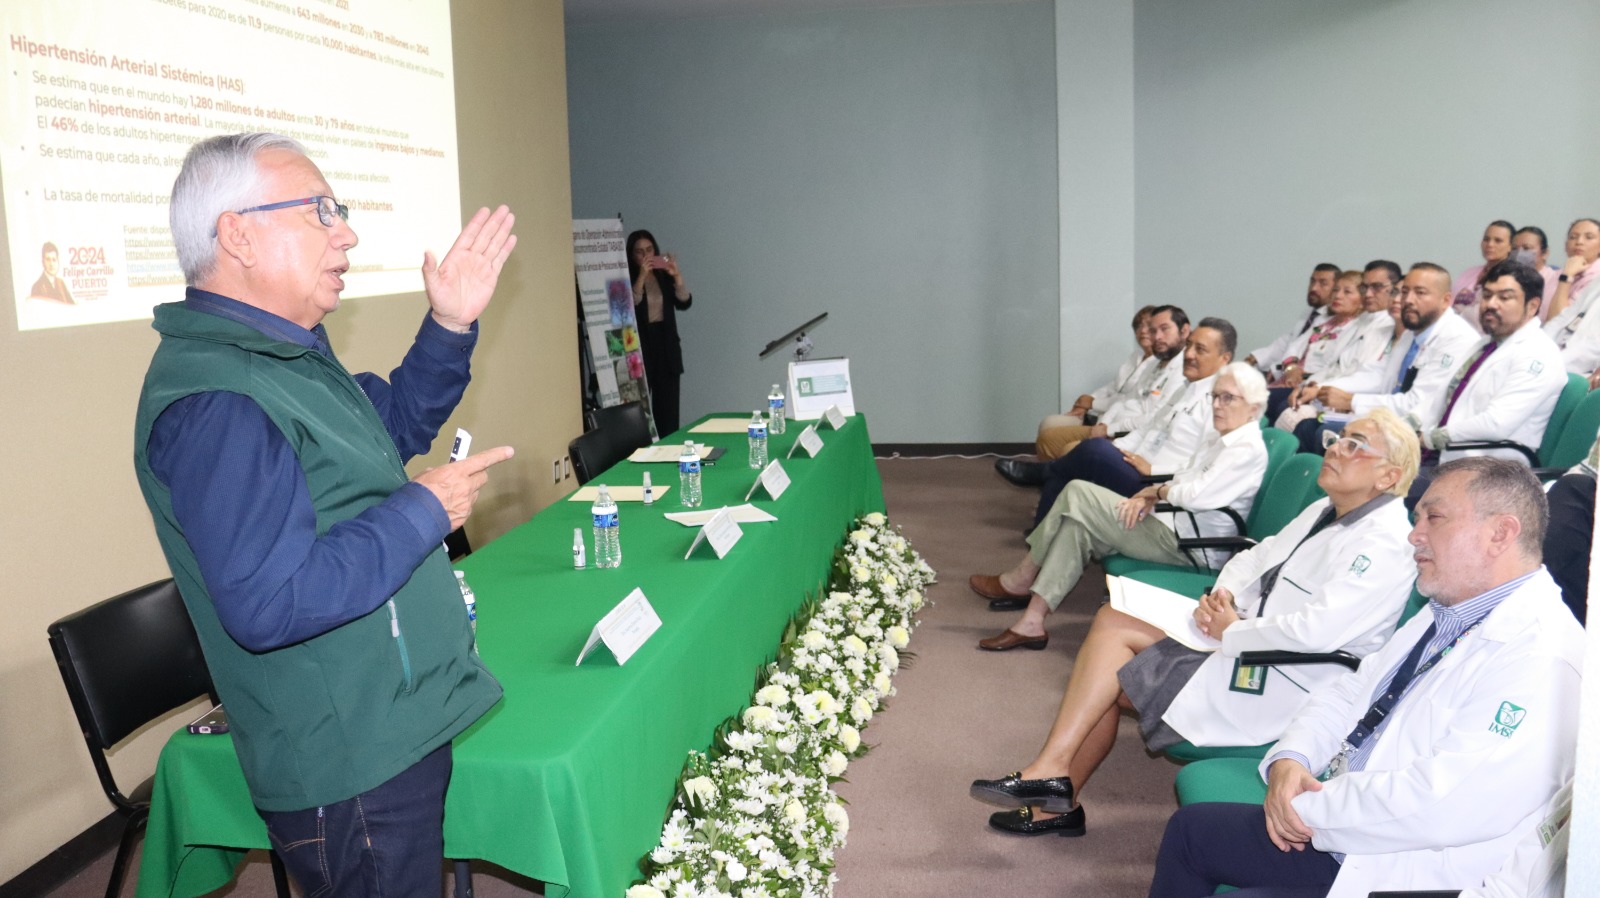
[[628, 421], [127, 661]]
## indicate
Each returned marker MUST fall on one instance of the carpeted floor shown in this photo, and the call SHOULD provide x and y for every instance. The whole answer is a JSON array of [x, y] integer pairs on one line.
[[960, 714]]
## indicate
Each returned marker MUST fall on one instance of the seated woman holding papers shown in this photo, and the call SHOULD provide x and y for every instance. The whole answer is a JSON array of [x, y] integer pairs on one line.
[[1088, 520], [1336, 578]]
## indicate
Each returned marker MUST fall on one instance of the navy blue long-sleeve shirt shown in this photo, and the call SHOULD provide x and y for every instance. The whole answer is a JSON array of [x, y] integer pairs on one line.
[[240, 495]]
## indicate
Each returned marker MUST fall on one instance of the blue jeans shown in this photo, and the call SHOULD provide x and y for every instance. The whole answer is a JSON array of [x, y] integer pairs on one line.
[[387, 841], [1212, 844]]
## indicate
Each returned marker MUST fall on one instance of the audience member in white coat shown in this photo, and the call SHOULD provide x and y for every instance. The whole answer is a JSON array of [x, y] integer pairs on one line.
[[1317, 292], [1424, 768], [1412, 379], [1335, 578], [1578, 284], [1508, 386], [1376, 332]]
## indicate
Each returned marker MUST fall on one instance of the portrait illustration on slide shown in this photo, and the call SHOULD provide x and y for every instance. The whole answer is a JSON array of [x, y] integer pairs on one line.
[[620, 299], [51, 285]]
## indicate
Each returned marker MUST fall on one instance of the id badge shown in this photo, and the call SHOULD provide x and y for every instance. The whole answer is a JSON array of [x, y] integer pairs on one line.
[[1339, 766], [1250, 679]]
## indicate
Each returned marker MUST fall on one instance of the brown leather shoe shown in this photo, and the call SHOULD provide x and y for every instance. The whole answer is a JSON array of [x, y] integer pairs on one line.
[[1011, 639], [988, 586]]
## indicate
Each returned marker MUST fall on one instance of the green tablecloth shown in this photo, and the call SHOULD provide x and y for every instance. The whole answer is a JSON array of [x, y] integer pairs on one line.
[[567, 779]]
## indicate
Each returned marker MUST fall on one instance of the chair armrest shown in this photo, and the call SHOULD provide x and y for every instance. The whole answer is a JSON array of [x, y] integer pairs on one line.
[[1278, 658], [1532, 456], [1236, 543], [1154, 478], [1550, 473], [1425, 893], [1238, 522]]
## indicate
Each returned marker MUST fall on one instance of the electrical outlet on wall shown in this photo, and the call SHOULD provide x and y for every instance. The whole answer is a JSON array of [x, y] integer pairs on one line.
[[566, 467], [555, 470]]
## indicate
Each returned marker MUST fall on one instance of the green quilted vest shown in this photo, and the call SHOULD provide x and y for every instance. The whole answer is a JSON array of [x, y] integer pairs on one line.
[[322, 720]]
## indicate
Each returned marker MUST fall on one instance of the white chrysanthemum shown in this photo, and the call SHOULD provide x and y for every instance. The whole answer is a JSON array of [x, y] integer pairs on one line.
[[701, 789], [749, 806], [825, 702], [834, 813], [875, 518], [834, 764], [740, 740], [854, 646], [860, 710], [788, 744], [760, 717], [849, 737], [890, 657], [814, 640], [899, 637], [861, 537], [644, 891], [736, 871], [889, 582], [794, 811], [662, 855], [856, 666], [860, 574], [774, 695], [882, 683]]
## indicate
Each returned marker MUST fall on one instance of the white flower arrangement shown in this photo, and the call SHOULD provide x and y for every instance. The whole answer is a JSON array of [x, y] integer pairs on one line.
[[757, 816]]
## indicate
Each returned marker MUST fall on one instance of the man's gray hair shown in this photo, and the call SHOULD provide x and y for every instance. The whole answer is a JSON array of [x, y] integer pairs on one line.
[[219, 175], [1501, 486]]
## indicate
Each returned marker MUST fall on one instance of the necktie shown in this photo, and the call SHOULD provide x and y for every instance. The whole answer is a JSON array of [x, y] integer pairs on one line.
[[1309, 319], [1400, 383], [1488, 348]]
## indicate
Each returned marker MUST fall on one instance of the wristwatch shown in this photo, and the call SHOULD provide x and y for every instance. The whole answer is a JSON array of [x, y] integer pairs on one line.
[[1563, 279]]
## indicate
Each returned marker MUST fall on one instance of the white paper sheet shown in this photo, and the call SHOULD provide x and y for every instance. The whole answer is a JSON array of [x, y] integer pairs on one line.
[[619, 493], [663, 452], [1163, 608], [721, 425], [744, 514]]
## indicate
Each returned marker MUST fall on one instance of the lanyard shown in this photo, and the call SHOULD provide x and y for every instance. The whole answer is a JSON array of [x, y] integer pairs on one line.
[[1402, 678], [1269, 580]]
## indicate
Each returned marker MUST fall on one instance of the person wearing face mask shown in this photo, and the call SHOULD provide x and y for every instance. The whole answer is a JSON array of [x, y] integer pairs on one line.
[[1531, 246], [1495, 245], [1576, 285]]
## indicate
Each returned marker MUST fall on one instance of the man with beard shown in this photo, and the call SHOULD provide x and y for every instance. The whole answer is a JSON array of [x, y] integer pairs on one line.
[[1318, 292], [1412, 379]]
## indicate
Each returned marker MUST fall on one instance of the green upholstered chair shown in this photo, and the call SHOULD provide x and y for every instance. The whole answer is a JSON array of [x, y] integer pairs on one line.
[[1576, 437], [1572, 395], [1283, 495]]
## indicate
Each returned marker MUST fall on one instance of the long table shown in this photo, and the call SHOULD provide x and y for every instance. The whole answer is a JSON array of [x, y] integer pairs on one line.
[[568, 778]]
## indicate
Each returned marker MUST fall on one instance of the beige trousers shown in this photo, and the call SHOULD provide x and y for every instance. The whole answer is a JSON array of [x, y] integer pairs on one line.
[[1082, 525]]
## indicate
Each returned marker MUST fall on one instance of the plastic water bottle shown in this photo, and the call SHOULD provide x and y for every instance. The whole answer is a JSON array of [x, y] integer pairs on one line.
[[472, 607], [607, 533], [758, 441], [648, 490], [689, 476], [775, 411], [579, 561]]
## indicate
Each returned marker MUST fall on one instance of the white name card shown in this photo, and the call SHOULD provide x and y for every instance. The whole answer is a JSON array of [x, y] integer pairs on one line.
[[834, 417], [624, 628], [810, 439], [773, 477], [722, 531]]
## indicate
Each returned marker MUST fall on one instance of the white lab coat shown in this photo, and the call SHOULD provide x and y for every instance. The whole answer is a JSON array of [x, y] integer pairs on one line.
[[1447, 790], [1268, 357], [1509, 398], [1445, 344], [1124, 385], [1313, 358], [1537, 867], [1163, 379], [1226, 472], [1370, 342], [1575, 317], [1169, 437], [1343, 590]]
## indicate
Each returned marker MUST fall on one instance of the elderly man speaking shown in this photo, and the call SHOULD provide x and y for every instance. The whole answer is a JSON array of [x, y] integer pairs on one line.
[[1423, 768], [309, 562]]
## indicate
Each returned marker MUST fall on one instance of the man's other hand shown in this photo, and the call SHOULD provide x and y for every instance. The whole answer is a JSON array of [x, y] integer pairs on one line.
[[461, 286], [1287, 778]]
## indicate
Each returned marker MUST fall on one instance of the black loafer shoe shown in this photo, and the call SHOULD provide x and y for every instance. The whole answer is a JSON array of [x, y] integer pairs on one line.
[[1021, 473], [1053, 794], [1021, 823]]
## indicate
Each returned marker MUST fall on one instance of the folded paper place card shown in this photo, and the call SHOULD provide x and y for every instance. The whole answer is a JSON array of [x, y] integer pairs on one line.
[[722, 531], [809, 439], [834, 417], [624, 628], [773, 478], [744, 514]]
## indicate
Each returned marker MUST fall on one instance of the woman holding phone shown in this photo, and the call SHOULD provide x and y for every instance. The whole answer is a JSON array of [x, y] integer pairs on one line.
[[658, 294]]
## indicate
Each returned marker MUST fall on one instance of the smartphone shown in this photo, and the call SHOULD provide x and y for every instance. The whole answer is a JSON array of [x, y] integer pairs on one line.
[[658, 262], [211, 723]]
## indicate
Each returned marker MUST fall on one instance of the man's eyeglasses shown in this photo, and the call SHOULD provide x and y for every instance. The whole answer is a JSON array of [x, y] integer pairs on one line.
[[327, 208], [1226, 399], [1337, 444], [1376, 288]]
